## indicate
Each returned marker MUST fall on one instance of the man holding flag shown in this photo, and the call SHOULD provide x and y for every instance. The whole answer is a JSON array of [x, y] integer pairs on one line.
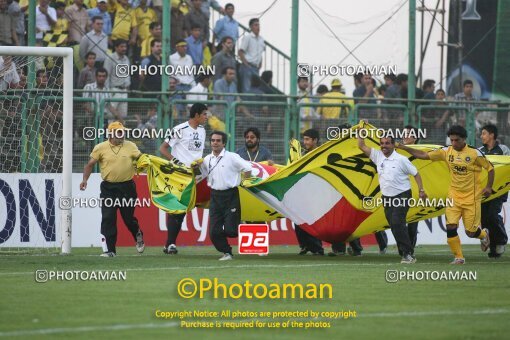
[[187, 142]]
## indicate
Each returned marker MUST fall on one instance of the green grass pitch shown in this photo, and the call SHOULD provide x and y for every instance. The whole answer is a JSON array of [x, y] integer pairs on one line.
[[126, 309]]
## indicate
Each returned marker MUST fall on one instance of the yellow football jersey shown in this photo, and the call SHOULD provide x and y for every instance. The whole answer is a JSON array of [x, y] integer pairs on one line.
[[465, 167]]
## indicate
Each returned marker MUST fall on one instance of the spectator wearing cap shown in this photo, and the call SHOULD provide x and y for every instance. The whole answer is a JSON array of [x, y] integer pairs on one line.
[[335, 96], [78, 21], [101, 10], [227, 26]]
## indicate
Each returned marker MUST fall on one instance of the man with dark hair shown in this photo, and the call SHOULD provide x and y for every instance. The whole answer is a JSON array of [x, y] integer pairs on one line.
[[118, 82], [187, 141], [365, 90], [428, 89], [223, 171], [101, 10], [227, 26], [253, 151], [307, 242], [226, 85], [491, 218], [195, 45], [196, 17], [465, 164], [154, 33], [394, 170], [199, 91], [95, 41], [224, 58], [466, 96], [117, 174], [99, 91], [152, 80], [250, 52]]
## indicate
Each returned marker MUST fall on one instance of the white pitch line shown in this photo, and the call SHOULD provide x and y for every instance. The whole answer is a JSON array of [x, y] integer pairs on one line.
[[396, 264], [46, 331], [435, 313]]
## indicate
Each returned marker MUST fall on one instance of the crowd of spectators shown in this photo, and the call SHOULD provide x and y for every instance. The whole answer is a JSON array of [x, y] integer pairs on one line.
[[107, 33]]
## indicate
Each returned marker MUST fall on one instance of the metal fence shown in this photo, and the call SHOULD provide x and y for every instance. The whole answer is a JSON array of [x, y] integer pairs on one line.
[[31, 129]]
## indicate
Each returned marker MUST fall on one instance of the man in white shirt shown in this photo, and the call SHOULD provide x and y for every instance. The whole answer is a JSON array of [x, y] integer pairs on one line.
[[45, 18], [182, 59], [223, 171], [250, 51], [199, 92], [394, 170], [187, 141]]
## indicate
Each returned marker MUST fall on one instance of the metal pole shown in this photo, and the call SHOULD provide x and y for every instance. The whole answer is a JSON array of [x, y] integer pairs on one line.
[[460, 48], [294, 116], [411, 84], [441, 75], [67, 142], [166, 18], [422, 53]]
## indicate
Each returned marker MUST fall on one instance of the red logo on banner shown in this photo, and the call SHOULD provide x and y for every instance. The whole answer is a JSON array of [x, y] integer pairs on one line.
[[253, 239]]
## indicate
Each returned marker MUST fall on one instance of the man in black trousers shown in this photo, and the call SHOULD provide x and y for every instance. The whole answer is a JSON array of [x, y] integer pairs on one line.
[[116, 161], [394, 170], [223, 170], [491, 219]]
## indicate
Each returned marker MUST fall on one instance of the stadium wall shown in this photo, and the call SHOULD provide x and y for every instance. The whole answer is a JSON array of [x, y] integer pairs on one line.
[[36, 208]]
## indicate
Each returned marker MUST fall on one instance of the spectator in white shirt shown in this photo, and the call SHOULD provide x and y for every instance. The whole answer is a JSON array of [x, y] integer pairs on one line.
[[250, 51], [45, 18], [199, 92]]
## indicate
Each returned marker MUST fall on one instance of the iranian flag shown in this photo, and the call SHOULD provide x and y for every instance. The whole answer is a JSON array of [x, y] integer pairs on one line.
[[313, 203]]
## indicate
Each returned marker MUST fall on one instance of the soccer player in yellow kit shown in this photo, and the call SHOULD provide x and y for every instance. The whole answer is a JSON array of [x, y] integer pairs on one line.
[[465, 164]]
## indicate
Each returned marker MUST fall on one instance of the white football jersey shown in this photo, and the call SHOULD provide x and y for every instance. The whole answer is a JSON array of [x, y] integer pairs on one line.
[[187, 143]]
